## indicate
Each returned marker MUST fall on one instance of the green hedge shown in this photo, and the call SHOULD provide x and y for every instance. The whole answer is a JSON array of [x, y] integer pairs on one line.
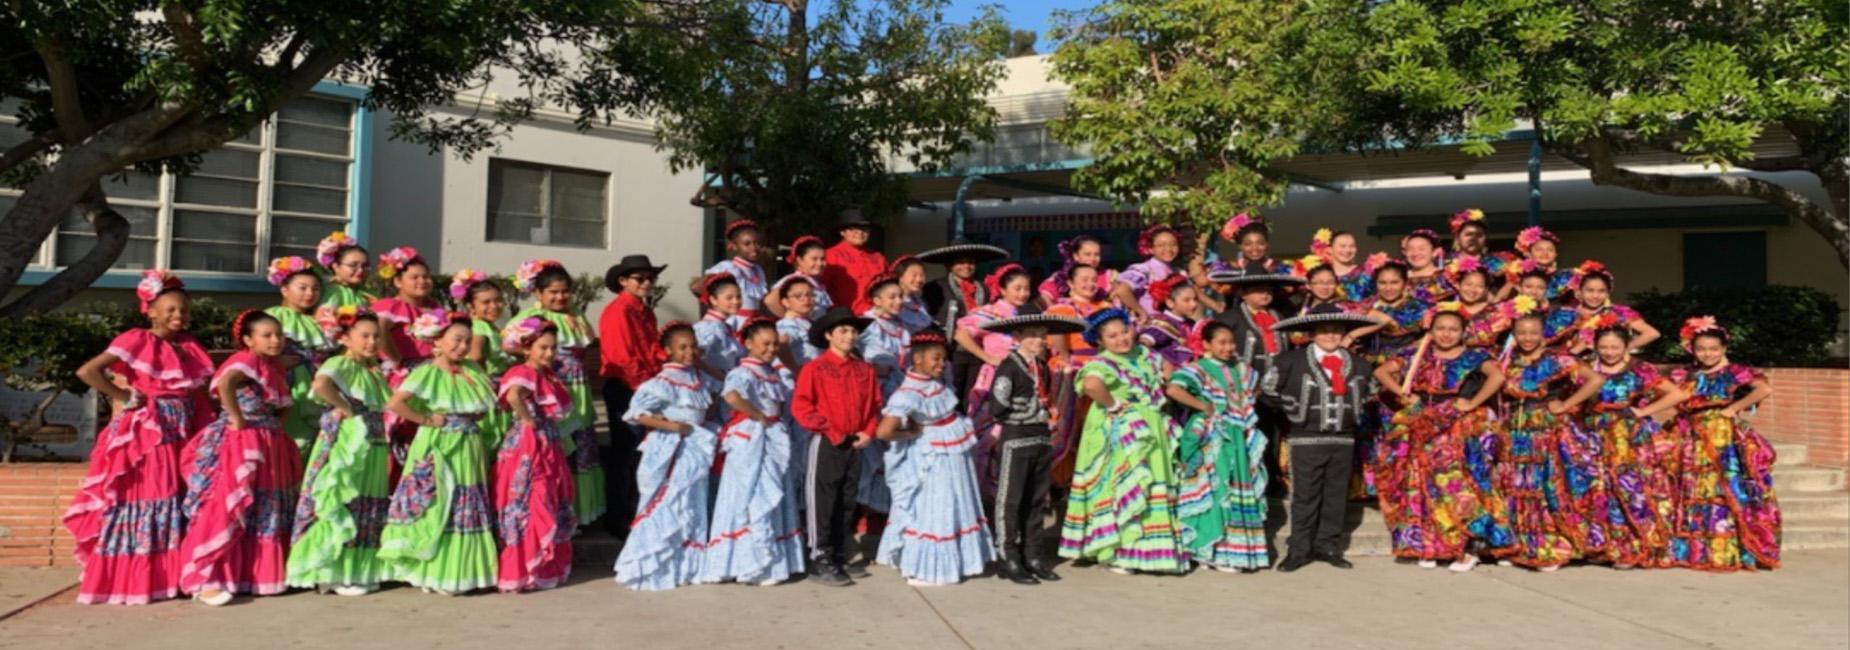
[[1775, 326]]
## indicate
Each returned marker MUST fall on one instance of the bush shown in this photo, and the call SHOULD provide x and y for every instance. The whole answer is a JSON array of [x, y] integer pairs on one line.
[[1775, 326]]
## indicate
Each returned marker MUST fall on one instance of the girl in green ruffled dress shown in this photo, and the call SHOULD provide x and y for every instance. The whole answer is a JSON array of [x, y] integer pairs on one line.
[[472, 293], [304, 344], [347, 490]]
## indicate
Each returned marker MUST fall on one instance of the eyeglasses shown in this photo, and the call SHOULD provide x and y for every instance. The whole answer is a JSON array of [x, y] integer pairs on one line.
[[644, 279]]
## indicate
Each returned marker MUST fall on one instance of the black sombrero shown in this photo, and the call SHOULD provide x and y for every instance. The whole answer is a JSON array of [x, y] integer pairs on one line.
[[1252, 277], [1321, 315], [835, 317], [963, 251], [1053, 324]]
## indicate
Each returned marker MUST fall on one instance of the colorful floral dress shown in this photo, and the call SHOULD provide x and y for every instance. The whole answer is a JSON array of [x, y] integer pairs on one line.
[[1635, 493], [999, 345], [755, 536], [1485, 327], [126, 517], [1402, 332], [1727, 515], [1221, 468], [1166, 334], [303, 339], [1067, 399], [1542, 476], [670, 529], [335, 294], [1121, 508], [1139, 276], [579, 425], [1432, 474], [439, 531], [347, 489], [534, 485], [1431, 289], [241, 488], [937, 532], [1358, 285]]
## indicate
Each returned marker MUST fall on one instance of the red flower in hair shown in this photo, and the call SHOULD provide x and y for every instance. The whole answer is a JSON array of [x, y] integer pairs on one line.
[[1146, 240], [798, 245], [741, 224], [711, 282], [1160, 289], [994, 281]]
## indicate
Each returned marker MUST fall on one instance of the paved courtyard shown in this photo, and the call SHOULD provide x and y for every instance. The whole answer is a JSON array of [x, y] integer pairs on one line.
[[1379, 604]]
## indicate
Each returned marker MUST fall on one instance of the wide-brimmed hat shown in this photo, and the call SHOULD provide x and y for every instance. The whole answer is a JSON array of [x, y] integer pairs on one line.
[[835, 317], [963, 251], [1053, 324], [855, 223], [1321, 315], [1255, 277], [630, 265]]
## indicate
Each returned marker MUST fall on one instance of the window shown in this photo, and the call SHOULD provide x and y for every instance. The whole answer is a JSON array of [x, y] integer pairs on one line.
[[275, 191], [543, 204]]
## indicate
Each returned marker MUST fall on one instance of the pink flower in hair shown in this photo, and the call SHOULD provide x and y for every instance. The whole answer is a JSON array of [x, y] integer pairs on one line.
[[283, 267], [153, 283], [526, 278], [462, 281], [1231, 230]]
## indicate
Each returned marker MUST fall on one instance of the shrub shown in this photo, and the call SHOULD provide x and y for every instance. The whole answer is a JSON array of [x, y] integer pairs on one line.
[[1775, 326]]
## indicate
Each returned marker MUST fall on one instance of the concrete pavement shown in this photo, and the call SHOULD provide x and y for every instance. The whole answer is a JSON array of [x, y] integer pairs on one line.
[[1379, 604]]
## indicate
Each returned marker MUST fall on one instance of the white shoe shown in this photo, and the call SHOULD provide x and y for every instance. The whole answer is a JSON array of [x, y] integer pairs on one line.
[[1463, 564], [213, 598], [1549, 569], [1505, 563], [351, 590], [1222, 569], [1623, 567], [770, 582], [1429, 564], [915, 582], [1119, 570]]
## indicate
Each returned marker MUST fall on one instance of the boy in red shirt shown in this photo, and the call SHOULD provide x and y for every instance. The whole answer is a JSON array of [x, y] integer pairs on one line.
[[838, 399], [630, 351]]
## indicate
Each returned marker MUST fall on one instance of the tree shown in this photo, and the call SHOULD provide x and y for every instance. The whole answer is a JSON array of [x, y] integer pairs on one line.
[[1021, 42], [107, 86], [1595, 79], [794, 116]]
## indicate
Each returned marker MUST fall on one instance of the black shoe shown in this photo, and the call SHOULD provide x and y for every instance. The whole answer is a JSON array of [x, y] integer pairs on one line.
[[1333, 559], [1043, 570], [835, 576], [1013, 571], [855, 570], [1292, 563]]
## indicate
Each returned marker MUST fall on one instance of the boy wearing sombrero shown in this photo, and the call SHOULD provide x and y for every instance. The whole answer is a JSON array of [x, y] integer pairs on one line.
[[837, 398], [1320, 390], [1021, 403]]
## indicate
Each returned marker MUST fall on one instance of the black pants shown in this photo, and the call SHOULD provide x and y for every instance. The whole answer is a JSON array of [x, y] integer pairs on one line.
[[1319, 497], [834, 475], [619, 459], [964, 369], [1021, 489]]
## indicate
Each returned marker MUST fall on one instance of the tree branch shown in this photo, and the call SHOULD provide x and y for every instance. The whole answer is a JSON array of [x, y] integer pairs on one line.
[[66, 104], [25, 151], [186, 36], [112, 235], [1777, 164]]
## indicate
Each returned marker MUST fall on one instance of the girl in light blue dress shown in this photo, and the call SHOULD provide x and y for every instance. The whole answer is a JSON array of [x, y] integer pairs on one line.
[[936, 533], [883, 344], [668, 535], [799, 296], [720, 350], [754, 536]]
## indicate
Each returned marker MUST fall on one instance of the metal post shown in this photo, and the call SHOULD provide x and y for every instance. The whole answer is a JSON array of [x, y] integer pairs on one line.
[[960, 208], [1535, 181]]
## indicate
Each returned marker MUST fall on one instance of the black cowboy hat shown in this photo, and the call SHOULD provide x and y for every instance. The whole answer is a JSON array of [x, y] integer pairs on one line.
[[629, 265], [1255, 275], [1320, 315], [856, 222], [835, 317], [962, 250], [1053, 324]]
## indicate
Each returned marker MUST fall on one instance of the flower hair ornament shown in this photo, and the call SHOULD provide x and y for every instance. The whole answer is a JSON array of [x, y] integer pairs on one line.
[[928, 337], [1302, 266], [736, 226], [1525, 268], [1421, 233], [1467, 217], [1697, 326], [527, 277], [328, 251], [153, 283], [1197, 340], [431, 324], [1375, 261], [335, 321], [670, 328], [1452, 307], [1160, 290], [462, 281], [1518, 307], [240, 325], [523, 332], [1096, 321], [1457, 267], [1588, 269], [282, 268], [1146, 240], [875, 283], [395, 261], [1236, 227], [1532, 235], [1606, 320], [710, 285], [993, 281], [1320, 242], [753, 323], [798, 245]]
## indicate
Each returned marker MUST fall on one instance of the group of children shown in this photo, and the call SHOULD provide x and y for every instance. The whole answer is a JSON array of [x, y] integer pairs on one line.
[[1488, 400]]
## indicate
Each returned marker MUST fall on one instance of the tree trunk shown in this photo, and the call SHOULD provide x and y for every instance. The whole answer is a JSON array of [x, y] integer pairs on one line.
[[112, 235]]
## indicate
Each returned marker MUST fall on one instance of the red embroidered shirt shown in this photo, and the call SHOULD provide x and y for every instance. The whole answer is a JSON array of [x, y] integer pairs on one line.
[[836, 397], [849, 271], [631, 347]]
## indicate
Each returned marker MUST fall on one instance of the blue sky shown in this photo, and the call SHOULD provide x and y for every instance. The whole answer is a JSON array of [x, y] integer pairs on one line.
[[1022, 14]]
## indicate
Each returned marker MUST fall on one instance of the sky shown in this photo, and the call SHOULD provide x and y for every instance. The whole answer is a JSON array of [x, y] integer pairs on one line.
[[1020, 14]]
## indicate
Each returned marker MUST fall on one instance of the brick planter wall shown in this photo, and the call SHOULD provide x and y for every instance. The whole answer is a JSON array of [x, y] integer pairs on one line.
[[33, 497], [1809, 406]]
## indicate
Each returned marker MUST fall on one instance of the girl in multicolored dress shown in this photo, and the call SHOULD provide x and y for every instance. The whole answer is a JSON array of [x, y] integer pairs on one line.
[[1084, 250], [533, 478], [242, 474], [1425, 274], [664, 549], [439, 532], [1470, 281], [1356, 278], [1131, 290], [473, 294], [912, 310], [1010, 285], [1219, 456], [1543, 248], [344, 260], [304, 346], [1541, 475], [1120, 511], [1434, 493], [1593, 310], [1727, 516], [1166, 332], [1399, 313], [809, 256], [937, 534], [1632, 503], [718, 339], [1254, 239], [551, 286], [1070, 352], [755, 536], [742, 240], [347, 488], [126, 517]]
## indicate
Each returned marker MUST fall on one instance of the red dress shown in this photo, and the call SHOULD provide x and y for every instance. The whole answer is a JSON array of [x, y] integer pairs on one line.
[[534, 487], [241, 488], [126, 516]]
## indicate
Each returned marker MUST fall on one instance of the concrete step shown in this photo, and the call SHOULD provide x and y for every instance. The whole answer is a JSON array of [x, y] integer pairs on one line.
[[1803, 507], [1789, 453], [1808, 478], [1808, 537]]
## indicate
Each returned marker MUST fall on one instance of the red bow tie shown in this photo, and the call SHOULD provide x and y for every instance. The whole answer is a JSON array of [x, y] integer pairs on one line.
[[1333, 366]]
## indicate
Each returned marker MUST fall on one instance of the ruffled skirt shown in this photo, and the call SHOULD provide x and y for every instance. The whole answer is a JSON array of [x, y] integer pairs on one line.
[[1221, 502], [937, 532], [1434, 481], [533, 504], [1632, 490], [439, 530], [755, 532], [241, 496], [1727, 516], [126, 516], [664, 547], [1532, 479], [1121, 508], [345, 495]]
